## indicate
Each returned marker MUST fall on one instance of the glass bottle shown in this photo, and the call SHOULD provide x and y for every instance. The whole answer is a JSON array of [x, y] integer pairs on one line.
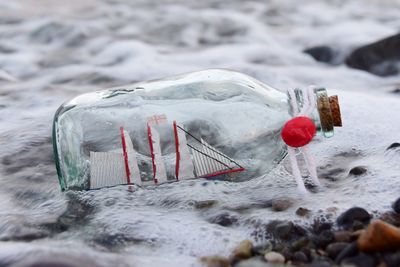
[[214, 123]]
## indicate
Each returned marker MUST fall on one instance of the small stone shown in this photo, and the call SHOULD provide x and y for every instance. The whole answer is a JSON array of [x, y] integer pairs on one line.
[[215, 261], [347, 218], [263, 249], [281, 204], [320, 53], [324, 239], [342, 236], [396, 205], [357, 171], [284, 230], [303, 212], [243, 250], [349, 251], [253, 262], [224, 219], [379, 236], [299, 257], [391, 217], [335, 248], [300, 243], [205, 204], [361, 260], [394, 145], [274, 257]]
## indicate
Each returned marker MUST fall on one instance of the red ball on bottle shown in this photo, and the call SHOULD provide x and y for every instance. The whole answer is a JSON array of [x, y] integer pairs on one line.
[[298, 131]]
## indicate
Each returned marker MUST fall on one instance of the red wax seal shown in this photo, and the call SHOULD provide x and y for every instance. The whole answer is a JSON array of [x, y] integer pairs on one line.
[[298, 131]]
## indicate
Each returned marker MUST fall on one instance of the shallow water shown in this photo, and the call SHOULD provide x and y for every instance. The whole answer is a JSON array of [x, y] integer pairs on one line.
[[51, 52]]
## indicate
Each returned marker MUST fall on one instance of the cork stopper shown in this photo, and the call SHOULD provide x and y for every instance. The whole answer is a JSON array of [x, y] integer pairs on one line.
[[335, 110]]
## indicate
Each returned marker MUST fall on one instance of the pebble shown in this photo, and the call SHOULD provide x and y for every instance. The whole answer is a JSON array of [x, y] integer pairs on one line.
[[321, 53], [379, 236], [342, 236], [391, 217], [396, 205], [254, 262], [361, 260], [281, 204], [284, 230], [205, 204], [324, 239], [215, 261], [334, 249], [394, 145], [243, 251], [347, 218], [274, 257], [349, 251], [299, 257], [224, 219], [357, 171], [303, 212]]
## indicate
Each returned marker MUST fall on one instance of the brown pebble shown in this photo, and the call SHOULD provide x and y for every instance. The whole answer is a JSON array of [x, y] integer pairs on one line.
[[215, 261], [204, 204], [379, 236], [342, 236], [303, 212], [281, 204], [243, 250]]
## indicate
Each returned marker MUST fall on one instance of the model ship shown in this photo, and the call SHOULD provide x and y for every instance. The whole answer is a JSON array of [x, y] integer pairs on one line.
[[192, 161]]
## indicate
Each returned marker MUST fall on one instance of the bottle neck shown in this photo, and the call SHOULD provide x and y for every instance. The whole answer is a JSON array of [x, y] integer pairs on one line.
[[325, 112]]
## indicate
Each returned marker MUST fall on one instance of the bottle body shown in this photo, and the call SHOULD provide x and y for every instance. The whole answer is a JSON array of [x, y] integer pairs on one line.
[[207, 124]]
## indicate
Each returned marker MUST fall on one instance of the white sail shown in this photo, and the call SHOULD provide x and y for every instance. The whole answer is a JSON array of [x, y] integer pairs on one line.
[[132, 160], [106, 169], [184, 163], [160, 175], [208, 161]]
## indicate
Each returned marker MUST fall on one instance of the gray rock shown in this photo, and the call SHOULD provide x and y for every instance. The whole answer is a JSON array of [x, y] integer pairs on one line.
[[321, 53], [378, 58], [361, 260], [347, 218], [303, 212], [334, 249], [359, 170], [396, 205]]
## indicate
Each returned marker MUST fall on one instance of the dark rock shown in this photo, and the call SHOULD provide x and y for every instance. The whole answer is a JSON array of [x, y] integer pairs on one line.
[[300, 243], [113, 241], [323, 239], [299, 257], [347, 218], [284, 230], [349, 251], [394, 145], [321, 53], [359, 170], [361, 260], [319, 226], [396, 205], [281, 204], [396, 91], [391, 259], [334, 249], [303, 212], [357, 225], [224, 219], [378, 58], [343, 236]]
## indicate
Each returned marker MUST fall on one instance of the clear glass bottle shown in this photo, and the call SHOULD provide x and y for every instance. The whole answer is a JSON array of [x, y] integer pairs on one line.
[[209, 124]]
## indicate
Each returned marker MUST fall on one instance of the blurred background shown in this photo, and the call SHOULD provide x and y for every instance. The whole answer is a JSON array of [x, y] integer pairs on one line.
[[51, 51]]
